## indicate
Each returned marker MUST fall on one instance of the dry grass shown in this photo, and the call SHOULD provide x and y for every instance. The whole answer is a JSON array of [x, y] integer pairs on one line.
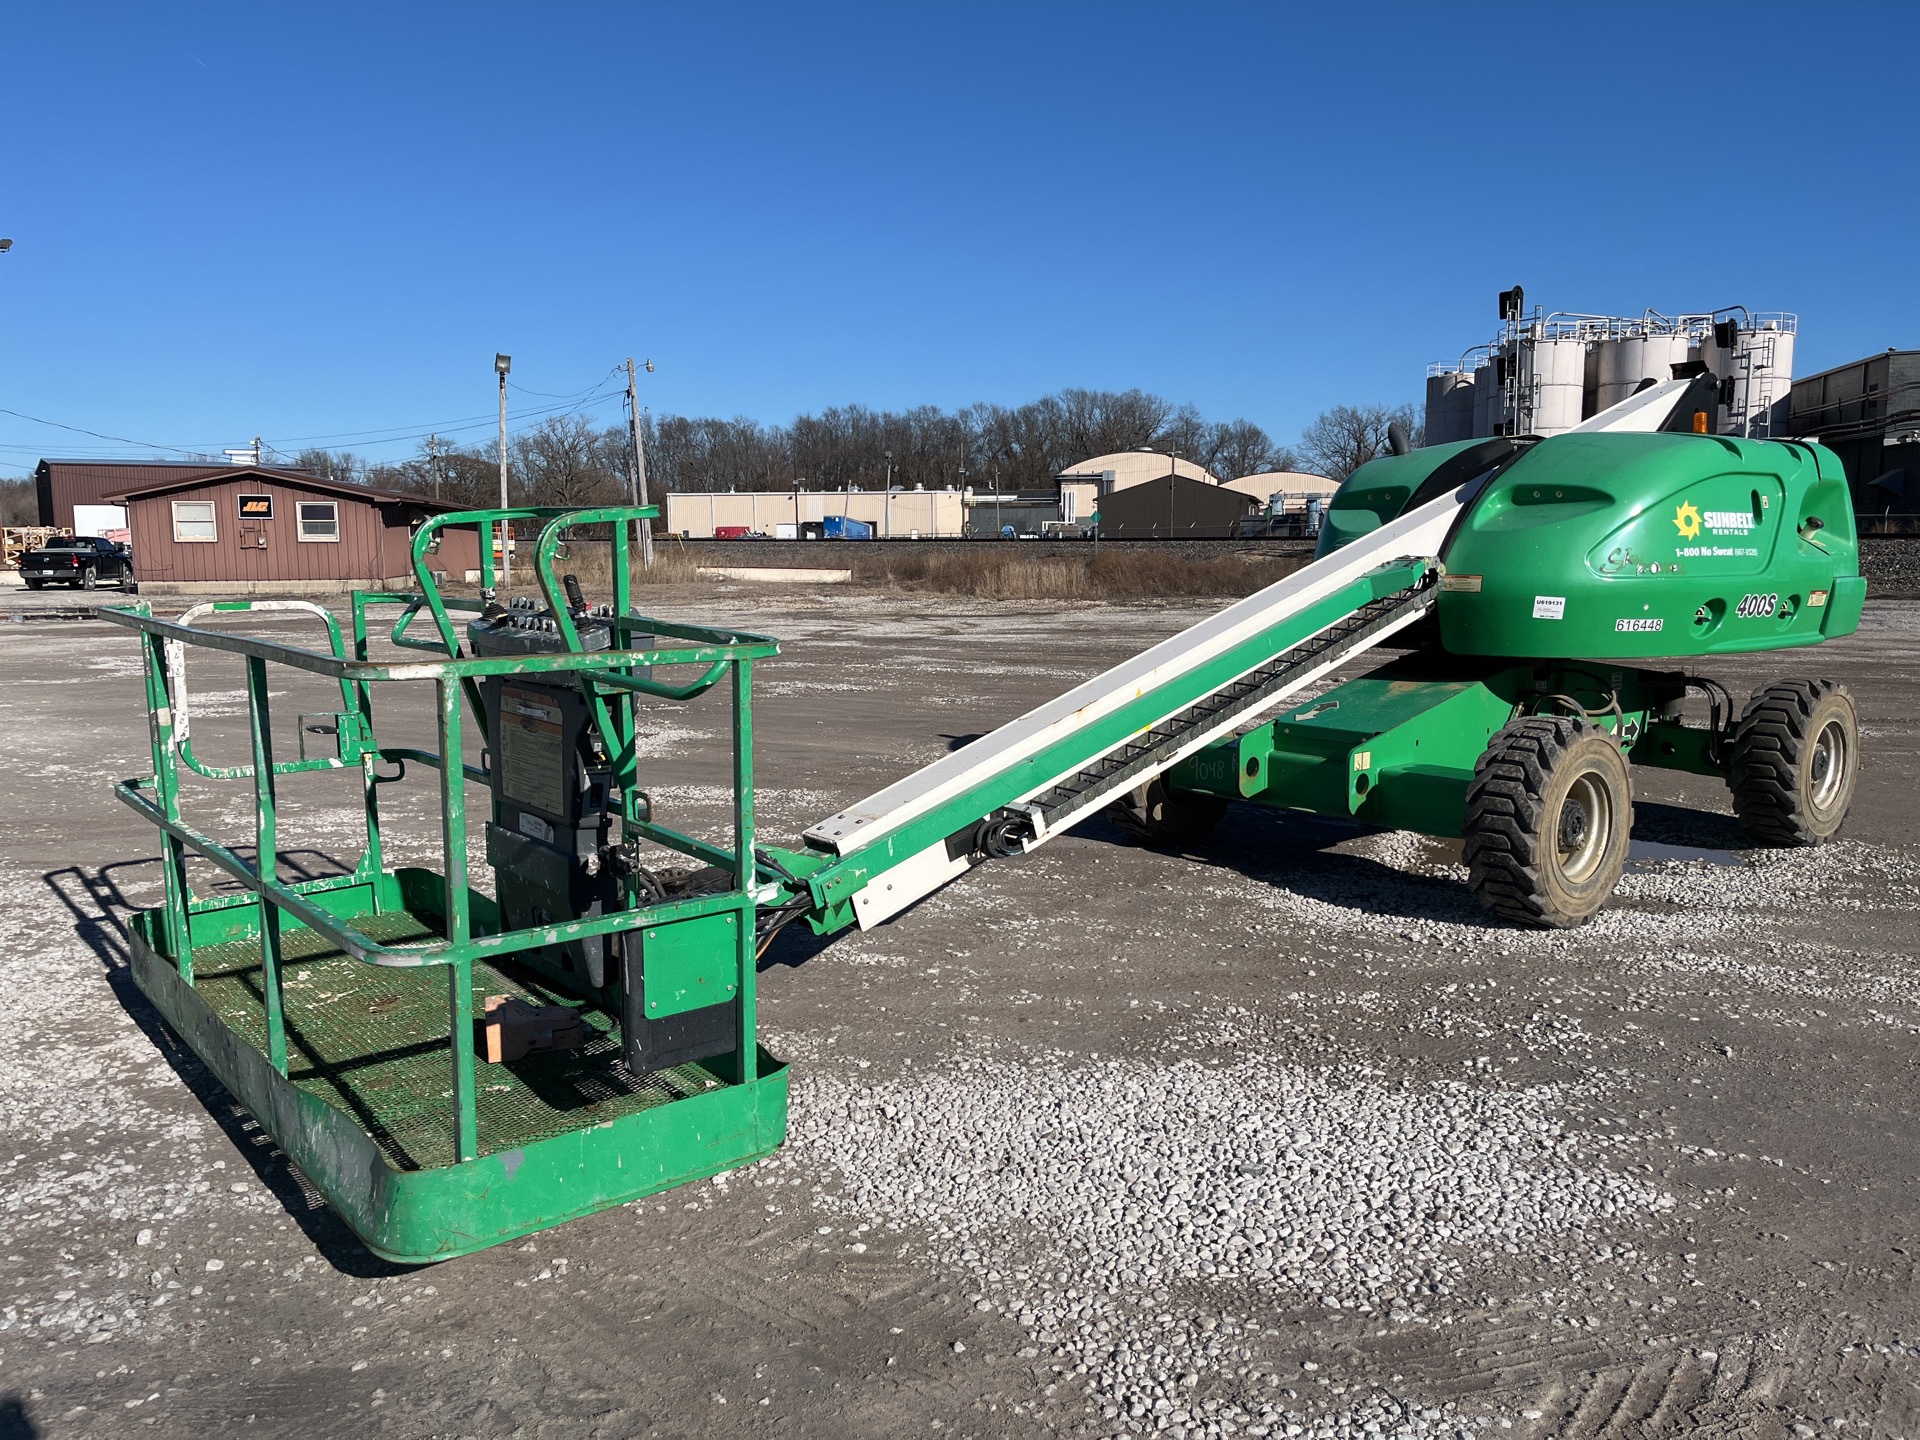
[[592, 561], [1010, 572], [1016, 575]]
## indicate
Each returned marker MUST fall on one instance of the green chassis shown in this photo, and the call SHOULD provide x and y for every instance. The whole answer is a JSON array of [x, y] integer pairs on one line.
[[1397, 748]]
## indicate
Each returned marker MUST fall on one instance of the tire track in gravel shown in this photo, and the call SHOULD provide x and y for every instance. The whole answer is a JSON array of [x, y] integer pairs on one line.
[[878, 1305], [1624, 1400]]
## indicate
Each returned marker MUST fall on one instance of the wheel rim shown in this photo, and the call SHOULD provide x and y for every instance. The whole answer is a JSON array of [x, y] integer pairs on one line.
[[1584, 829], [1827, 767]]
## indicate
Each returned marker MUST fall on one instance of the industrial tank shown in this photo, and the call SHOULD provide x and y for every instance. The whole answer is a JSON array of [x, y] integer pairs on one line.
[[1450, 401], [1709, 353], [1489, 401], [1762, 376], [1552, 373], [1626, 361]]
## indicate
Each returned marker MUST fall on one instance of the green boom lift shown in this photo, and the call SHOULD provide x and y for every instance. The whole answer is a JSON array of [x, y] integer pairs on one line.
[[455, 1065], [1617, 549]]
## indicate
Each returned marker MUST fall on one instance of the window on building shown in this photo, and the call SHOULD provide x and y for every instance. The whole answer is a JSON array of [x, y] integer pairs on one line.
[[319, 519], [193, 521]]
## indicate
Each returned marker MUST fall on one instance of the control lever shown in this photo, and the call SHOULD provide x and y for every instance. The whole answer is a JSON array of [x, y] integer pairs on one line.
[[576, 600]]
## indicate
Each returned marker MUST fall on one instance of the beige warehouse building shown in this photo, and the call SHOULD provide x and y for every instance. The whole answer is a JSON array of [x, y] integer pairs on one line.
[[901, 514], [1297, 485], [1082, 485], [784, 514]]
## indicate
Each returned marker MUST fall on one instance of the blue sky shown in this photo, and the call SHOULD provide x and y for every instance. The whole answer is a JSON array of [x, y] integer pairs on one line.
[[320, 221]]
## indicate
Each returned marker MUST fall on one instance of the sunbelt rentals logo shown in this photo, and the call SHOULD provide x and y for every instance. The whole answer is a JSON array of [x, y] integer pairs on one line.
[[1686, 519]]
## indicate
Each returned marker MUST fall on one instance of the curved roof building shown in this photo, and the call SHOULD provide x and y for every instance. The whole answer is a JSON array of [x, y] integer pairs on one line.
[[1136, 467]]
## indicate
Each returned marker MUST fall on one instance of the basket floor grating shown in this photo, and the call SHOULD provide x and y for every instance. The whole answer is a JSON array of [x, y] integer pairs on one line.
[[373, 1042]]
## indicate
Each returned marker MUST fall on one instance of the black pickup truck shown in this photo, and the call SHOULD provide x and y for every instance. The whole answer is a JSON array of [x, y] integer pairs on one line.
[[82, 561]]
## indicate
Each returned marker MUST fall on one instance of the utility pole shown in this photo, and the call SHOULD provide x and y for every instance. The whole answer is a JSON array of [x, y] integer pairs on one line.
[[639, 461], [433, 462], [501, 365]]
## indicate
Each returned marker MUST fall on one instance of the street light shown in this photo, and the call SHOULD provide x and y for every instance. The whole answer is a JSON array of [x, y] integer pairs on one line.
[[5, 246], [501, 365]]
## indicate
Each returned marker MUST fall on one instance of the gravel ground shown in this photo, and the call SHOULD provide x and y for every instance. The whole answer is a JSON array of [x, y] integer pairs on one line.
[[1275, 1137], [1891, 565]]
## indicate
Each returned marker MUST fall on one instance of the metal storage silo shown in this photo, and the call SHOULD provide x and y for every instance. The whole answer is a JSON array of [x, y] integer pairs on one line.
[[1460, 403], [1626, 361], [1450, 398], [1762, 376], [1552, 372], [1489, 401], [1708, 352]]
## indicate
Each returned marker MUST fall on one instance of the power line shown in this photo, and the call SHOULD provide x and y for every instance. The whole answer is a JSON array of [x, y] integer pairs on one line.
[[487, 423], [372, 439], [79, 430], [417, 430], [511, 385]]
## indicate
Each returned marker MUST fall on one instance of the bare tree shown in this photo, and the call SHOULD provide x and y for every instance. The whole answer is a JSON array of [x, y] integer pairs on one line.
[[1240, 447], [1099, 422], [713, 454], [1346, 437], [568, 460], [1187, 434], [565, 460], [341, 465], [19, 503]]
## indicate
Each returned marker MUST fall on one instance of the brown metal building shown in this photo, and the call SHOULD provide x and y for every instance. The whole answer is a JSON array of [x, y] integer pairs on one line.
[[62, 484], [1173, 508], [257, 530]]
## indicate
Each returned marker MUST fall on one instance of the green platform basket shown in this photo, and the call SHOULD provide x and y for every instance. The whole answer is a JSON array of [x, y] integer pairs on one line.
[[342, 1011]]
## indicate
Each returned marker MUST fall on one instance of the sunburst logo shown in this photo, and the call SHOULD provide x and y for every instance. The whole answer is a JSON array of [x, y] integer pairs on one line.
[[1686, 520]]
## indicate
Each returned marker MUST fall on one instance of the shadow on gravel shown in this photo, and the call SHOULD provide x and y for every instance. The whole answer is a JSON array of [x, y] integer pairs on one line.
[[98, 903], [15, 1423], [1291, 851], [1679, 825], [794, 946]]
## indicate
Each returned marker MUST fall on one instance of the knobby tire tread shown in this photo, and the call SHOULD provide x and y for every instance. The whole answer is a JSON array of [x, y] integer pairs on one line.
[[1766, 760], [1504, 820]]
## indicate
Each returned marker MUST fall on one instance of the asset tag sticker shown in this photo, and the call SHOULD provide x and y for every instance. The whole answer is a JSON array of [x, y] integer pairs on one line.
[[534, 828], [1642, 624], [1549, 607]]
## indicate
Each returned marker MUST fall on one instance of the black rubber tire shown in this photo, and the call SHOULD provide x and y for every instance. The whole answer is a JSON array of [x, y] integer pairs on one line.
[[1549, 814], [89, 579], [35, 584], [1162, 816], [1794, 761]]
